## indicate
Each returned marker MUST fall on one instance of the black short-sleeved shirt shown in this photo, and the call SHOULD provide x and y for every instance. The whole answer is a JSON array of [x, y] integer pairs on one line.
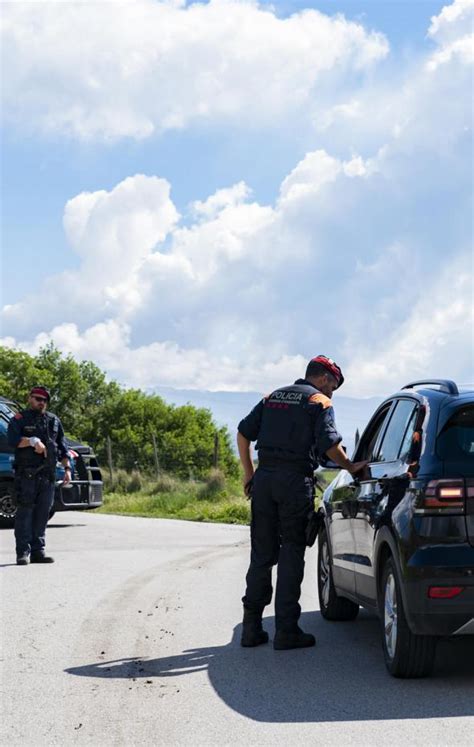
[[293, 424]]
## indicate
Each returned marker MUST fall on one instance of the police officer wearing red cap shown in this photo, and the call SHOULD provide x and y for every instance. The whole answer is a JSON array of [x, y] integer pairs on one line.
[[293, 427], [38, 439]]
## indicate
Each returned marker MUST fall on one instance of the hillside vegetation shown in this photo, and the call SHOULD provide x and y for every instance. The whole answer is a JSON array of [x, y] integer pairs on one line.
[[99, 412]]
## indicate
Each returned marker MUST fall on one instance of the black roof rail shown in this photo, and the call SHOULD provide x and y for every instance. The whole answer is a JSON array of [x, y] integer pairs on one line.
[[445, 385]]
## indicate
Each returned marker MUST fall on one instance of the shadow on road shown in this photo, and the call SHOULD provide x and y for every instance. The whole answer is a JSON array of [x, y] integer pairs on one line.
[[342, 679]]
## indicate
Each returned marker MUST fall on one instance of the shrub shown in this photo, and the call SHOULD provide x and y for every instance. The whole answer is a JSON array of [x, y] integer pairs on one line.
[[214, 486]]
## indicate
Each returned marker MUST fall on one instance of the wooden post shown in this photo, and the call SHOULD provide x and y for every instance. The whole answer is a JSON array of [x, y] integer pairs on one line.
[[109, 458], [216, 450], [155, 452]]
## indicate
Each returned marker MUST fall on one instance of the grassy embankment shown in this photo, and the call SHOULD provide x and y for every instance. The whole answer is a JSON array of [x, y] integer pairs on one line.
[[216, 499]]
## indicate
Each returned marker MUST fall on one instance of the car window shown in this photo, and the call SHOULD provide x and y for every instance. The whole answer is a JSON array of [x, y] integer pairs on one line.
[[455, 444], [369, 441], [407, 439], [6, 411], [397, 431]]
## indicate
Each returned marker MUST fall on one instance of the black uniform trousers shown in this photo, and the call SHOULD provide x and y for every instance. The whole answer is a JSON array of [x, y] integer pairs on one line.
[[281, 503], [34, 498]]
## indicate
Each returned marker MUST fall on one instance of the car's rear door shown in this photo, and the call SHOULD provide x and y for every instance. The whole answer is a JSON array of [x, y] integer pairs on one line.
[[341, 505], [381, 490]]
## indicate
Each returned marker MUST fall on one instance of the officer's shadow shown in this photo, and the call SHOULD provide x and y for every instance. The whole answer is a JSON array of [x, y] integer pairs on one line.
[[342, 679]]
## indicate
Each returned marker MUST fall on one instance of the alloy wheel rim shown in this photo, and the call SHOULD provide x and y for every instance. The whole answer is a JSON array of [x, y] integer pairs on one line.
[[324, 574], [390, 616], [7, 507]]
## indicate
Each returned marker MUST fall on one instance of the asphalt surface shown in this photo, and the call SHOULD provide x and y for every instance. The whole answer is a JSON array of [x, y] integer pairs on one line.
[[131, 638]]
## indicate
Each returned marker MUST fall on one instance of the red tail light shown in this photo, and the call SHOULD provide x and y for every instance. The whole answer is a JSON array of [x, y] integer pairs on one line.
[[444, 494], [444, 592]]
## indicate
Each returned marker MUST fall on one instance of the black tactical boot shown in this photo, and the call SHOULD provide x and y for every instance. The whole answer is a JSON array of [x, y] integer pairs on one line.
[[40, 557], [23, 559], [252, 632], [285, 640]]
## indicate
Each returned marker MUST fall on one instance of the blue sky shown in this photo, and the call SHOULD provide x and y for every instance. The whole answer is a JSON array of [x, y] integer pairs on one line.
[[204, 196]]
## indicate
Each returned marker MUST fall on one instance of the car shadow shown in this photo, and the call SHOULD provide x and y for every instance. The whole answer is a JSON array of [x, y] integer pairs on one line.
[[342, 679]]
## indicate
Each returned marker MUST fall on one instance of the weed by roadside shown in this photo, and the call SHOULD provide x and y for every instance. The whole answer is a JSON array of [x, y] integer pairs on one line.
[[216, 499]]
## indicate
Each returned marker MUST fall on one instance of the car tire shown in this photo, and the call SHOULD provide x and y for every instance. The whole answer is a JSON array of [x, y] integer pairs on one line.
[[332, 606], [7, 504], [406, 655]]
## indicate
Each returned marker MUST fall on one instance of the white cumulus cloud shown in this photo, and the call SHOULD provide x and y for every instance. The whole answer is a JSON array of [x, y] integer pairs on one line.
[[364, 256], [149, 66]]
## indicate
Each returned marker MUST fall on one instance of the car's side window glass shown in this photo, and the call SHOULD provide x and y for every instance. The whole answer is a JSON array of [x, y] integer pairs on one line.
[[407, 439], [396, 431], [370, 439]]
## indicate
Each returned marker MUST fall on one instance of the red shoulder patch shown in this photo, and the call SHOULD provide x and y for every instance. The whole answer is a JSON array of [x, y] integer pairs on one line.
[[320, 399], [18, 416]]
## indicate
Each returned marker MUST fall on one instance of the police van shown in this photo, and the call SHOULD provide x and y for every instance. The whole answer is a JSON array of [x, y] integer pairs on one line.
[[85, 491]]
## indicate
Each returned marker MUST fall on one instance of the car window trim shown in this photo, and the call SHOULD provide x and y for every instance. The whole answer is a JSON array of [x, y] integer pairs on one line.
[[383, 430]]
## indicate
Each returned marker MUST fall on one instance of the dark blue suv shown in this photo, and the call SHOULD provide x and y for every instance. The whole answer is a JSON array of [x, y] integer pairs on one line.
[[400, 539]]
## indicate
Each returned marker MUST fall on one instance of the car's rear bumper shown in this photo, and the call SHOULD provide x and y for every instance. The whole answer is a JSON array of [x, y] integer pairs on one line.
[[444, 617], [80, 494]]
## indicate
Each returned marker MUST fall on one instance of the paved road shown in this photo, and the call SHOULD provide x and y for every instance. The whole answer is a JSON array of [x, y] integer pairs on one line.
[[131, 638]]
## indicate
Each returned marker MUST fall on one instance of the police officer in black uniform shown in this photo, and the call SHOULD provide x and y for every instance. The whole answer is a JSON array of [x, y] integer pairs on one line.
[[38, 439], [293, 427]]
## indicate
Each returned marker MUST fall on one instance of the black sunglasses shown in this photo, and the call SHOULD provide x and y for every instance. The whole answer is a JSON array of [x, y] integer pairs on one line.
[[39, 399]]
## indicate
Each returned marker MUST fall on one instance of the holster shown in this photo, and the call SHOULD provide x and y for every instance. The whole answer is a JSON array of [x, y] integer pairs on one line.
[[315, 522]]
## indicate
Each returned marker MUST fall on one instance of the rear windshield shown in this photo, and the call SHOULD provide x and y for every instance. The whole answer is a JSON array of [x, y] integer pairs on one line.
[[455, 443]]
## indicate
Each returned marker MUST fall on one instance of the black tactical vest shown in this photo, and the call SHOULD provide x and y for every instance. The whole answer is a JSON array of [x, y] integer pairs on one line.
[[43, 426], [286, 432]]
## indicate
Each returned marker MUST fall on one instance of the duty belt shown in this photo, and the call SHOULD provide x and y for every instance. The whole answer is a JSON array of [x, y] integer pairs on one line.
[[272, 462]]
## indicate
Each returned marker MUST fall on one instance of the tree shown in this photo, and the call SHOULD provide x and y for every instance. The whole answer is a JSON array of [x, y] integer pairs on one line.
[[92, 408]]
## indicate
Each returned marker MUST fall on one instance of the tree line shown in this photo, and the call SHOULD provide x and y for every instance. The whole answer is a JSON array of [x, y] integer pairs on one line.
[[93, 409]]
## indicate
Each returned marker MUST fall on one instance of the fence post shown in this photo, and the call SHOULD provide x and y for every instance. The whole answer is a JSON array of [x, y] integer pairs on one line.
[[109, 458], [215, 458], [155, 452]]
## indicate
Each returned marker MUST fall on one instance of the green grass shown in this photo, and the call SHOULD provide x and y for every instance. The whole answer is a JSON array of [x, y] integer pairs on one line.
[[215, 499]]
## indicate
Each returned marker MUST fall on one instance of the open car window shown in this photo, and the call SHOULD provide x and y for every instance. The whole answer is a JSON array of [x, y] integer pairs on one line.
[[370, 440]]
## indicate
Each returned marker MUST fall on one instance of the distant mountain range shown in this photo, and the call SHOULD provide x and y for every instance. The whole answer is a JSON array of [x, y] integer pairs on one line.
[[228, 408]]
